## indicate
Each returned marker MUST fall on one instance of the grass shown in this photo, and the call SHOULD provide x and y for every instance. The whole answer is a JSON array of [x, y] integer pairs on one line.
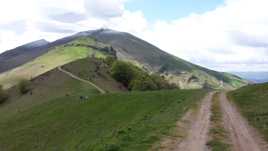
[[96, 71], [56, 57], [111, 122], [253, 103], [48, 86], [217, 132]]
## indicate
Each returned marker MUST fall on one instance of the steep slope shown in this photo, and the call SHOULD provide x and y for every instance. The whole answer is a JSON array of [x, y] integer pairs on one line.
[[56, 56], [22, 54], [181, 72], [94, 70], [128, 48], [55, 83]]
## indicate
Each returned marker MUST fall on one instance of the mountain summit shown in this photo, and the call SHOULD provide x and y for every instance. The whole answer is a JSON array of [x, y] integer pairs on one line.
[[126, 47]]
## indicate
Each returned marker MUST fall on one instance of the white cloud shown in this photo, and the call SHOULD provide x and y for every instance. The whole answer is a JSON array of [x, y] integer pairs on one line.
[[235, 32], [233, 36], [105, 8]]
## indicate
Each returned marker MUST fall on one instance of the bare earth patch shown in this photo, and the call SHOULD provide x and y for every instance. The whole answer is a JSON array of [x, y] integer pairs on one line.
[[193, 130], [243, 136]]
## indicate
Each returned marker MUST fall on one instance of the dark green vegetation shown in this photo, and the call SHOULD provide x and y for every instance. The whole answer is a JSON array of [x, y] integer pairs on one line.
[[24, 86], [120, 121], [3, 95], [253, 103], [135, 78], [217, 132]]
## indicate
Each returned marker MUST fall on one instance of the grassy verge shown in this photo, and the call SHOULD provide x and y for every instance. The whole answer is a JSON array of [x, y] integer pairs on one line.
[[217, 132], [253, 103], [111, 122]]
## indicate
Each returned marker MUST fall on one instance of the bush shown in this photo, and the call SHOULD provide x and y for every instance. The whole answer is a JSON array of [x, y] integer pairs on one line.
[[110, 60], [24, 86], [3, 95], [143, 83], [135, 78], [123, 72]]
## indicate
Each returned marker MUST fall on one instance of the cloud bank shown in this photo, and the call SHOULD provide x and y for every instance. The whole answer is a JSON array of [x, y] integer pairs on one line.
[[232, 37]]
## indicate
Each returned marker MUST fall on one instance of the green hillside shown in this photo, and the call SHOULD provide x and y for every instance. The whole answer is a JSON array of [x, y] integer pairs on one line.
[[181, 72], [125, 121], [58, 56], [63, 113], [253, 103], [96, 71], [50, 85], [126, 47]]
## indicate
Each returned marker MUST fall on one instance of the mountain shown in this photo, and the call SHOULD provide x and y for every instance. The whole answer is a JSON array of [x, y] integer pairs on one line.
[[125, 47], [255, 77], [179, 71], [22, 54]]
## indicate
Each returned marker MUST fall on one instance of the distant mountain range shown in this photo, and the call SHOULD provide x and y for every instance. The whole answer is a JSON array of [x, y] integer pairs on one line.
[[255, 77], [38, 57]]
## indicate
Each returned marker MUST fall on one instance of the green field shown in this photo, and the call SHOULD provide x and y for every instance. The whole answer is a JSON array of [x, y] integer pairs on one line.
[[111, 122], [253, 103], [58, 56]]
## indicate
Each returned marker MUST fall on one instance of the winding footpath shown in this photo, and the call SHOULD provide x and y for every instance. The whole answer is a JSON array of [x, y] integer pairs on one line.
[[81, 80]]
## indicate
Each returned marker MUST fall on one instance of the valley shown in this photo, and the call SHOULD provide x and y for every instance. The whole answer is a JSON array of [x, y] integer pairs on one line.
[[105, 90]]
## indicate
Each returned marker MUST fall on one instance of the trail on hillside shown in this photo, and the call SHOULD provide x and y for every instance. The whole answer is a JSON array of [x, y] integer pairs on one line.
[[81, 80], [195, 125], [198, 132], [243, 137]]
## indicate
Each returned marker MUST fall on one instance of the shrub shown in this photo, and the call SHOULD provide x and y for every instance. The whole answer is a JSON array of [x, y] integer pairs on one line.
[[135, 78], [123, 72], [3, 95], [110, 60], [24, 86], [143, 83]]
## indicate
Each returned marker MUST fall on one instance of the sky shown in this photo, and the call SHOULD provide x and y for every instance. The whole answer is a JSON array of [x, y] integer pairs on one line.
[[224, 35]]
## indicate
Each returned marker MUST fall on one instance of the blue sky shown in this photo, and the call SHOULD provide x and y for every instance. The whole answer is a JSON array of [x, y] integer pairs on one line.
[[171, 9]]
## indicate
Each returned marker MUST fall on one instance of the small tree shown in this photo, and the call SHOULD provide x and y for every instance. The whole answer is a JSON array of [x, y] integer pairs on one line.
[[123, 72], [109, 60], [3, 95], [24, 86]]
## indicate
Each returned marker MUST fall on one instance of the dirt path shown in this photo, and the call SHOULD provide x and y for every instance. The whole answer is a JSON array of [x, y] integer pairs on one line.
[[82, 80], [197, 132], [242, 136]]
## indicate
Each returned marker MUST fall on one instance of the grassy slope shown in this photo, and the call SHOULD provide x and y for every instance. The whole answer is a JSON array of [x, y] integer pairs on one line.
[[95, 71], [155, 60], [253, 103], [129, 121], [219, 136], [48, 86], [56, 57]]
